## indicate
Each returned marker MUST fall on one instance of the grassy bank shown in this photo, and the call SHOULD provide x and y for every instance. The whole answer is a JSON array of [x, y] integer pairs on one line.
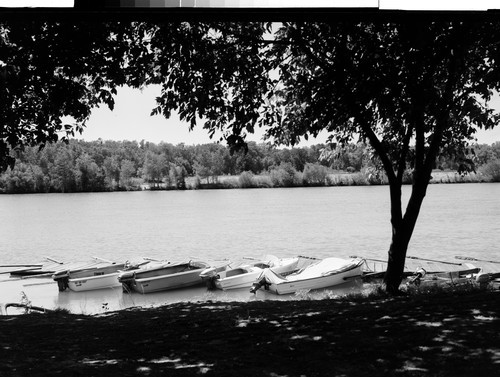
[[439, 334], [340, 178]]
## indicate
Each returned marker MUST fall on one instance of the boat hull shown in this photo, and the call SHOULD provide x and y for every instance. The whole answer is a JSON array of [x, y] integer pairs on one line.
[[243, 279], [245, 276], [89, 279], [164, 278], [165, 283], [94, 282], [315, 283], [306, 280]]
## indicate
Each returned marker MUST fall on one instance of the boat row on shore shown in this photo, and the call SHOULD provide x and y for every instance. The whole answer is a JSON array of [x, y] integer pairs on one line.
[[148, 275], [277, 275], [295, 273]]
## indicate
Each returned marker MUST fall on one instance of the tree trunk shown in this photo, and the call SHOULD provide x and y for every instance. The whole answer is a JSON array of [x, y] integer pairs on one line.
[[397, 256], [402, 230]]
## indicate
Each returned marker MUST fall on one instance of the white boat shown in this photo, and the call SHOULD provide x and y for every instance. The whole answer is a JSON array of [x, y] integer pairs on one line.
[[163, 277], [324, 273], [238, 277], [244, 275], [88, 279]]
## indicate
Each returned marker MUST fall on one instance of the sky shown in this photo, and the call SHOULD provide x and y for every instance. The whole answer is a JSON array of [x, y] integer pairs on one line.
[[130, 120]]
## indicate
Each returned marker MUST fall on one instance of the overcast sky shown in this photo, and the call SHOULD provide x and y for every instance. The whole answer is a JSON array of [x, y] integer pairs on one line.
[[130, 120]]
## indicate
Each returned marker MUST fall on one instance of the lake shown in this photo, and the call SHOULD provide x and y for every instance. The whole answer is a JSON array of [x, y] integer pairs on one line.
[[456, 219]]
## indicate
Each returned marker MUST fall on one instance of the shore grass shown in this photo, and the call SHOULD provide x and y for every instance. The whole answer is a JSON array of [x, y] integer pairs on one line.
[[438, 333], [338, 178]]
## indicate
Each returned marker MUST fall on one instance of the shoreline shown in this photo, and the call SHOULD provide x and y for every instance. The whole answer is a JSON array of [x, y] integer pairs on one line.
[[445, 333], [263, 181]]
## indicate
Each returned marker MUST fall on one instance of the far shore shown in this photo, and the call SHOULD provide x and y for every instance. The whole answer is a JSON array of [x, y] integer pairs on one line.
[[338, 178], [249, 180]]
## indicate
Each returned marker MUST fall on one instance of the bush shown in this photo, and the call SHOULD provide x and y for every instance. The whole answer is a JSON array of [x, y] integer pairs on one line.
[[314, 175], [193, 183], [263, 181], [177, 175], [375, 176], [491, 170], [285, 175], [408, 177], [133, 184], [229, 182], [246, 180], [356, 179]]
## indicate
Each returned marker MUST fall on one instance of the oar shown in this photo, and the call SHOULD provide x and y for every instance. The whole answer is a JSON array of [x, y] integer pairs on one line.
[[152, 259], [9, 280], [375, 260], [37, 276], [475, 259], [433, 260], [54, 260], [103, 260], [8, 272], [42, 283], [20, 270], [21, 265]]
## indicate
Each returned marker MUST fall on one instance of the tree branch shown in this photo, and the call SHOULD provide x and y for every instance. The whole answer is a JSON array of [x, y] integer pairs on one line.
[[404, 153], [309, 52], [379, 149], [455, 59]]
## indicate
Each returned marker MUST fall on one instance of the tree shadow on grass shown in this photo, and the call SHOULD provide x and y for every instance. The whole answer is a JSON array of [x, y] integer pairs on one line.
[[427, 335]]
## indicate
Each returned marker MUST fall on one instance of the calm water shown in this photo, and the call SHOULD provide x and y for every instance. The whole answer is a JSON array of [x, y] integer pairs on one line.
[[460, 219], [218, 224]]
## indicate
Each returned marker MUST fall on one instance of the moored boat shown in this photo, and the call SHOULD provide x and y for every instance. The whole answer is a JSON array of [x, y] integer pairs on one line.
[[324, 273], [89, 279], [422, 279], [163, 277], [244, 275]]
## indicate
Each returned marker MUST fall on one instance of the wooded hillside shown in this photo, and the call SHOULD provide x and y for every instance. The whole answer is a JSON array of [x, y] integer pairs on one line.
[[129, 165]]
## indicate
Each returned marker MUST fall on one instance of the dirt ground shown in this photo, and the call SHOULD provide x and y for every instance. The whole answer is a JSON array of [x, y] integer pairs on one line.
[[439, 334]]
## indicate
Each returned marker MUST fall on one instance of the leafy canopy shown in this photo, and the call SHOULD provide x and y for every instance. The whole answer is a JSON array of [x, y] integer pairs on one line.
[[52, 70], [426, 83], [391, 83], [394, 84]]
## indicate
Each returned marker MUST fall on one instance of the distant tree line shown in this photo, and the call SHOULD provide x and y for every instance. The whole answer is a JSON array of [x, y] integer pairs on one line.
[[81, 166]]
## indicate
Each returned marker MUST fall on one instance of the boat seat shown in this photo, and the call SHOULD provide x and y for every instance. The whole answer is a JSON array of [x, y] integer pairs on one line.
[[262, 265], [236, 271]]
